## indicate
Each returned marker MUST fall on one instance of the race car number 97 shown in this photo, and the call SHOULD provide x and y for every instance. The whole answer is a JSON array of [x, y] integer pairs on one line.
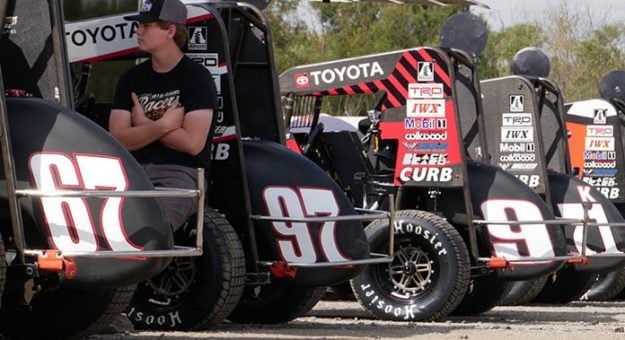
[[69, 219], [294, 239]]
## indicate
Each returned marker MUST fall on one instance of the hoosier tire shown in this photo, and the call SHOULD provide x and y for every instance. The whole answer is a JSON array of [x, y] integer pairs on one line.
[[428, 276], [523, 292], [278, 302], [194, 292]]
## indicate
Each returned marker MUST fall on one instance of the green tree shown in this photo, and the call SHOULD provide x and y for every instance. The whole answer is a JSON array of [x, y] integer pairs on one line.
[[502, 46]]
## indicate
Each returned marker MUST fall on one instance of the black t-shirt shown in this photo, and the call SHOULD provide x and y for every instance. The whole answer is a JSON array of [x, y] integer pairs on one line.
[[189, 81]]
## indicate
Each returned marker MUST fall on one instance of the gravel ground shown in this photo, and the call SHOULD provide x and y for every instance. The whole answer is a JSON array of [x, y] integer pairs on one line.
[[346, 320]]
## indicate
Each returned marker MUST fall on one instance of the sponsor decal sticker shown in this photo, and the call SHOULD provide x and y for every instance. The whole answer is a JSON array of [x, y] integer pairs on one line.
[[349, 72], [600, 130], [426, 174], [533, 181], [517, 147], [211, 62], [600, 155], [599, 116], [425, 124], [198, 37], [418, 135], [517, 103], [516, 119], [517, 134], [518, 157], [600, 143], [427, 108], [600, 164], [600, 172], [523, 166], [425, 159], [301, 80], [600, 181], [426, 71], [425, 91]]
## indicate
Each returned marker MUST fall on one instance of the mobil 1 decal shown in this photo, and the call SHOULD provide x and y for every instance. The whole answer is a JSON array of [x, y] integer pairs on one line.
[[512, 129], [596, 147], [420, 113]]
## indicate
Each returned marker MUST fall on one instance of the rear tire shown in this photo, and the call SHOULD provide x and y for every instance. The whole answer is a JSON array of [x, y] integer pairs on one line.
[[194, 292], [59, 313], [278, 302], [523, 292], [483, 295], [567, 285], [607, 287], [340, 292], [63, 313], [428, 276]]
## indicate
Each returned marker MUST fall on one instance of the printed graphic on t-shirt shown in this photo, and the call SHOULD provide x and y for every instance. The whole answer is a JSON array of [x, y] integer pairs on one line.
[[155, 104]]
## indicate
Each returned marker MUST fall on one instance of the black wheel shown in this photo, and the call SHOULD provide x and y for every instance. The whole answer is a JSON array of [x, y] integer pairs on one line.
[[428, 276], [565, 285], [483, 295], [340, 292], [194, 292], [523, 292], [607, 286], [62, 313], [59, 313], [278, 302]]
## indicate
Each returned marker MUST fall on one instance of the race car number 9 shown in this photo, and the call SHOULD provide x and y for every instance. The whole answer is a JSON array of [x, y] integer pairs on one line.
[[526, 240], [69, 219], [294, 239]]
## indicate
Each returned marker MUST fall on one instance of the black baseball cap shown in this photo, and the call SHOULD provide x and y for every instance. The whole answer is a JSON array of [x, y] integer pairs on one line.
[[172, 11]]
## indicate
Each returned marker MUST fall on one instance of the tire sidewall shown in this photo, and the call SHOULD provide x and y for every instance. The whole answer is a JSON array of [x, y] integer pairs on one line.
[[198, 300], [441, 250]]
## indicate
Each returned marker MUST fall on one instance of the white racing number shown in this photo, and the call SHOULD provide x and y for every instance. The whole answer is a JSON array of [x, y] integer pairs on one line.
[[294, 239], [595, 214], [515, 241], [69, 219]]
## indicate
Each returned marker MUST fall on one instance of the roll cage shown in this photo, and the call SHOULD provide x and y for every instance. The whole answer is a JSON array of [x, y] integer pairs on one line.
[[302, 103], [249, 111]]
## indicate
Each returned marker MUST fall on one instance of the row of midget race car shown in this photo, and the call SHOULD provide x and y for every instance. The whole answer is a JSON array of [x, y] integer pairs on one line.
[[530, 187], [454, 191]]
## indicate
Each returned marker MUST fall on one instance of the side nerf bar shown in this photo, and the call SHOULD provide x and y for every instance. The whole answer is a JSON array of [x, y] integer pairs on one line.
[[177, 251], [364, 215], [573, 257]]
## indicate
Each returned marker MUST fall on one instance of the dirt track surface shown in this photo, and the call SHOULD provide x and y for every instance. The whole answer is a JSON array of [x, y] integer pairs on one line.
[[346, 320]]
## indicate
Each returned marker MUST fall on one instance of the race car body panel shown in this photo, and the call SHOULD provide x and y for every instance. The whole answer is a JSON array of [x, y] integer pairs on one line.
[[65, 150], [293, 186]]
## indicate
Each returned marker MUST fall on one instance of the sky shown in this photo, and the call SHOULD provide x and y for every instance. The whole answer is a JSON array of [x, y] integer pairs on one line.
[[505, 13]]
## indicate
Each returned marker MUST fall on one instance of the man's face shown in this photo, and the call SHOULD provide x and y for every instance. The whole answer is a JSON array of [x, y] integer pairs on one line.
[[151, 36]]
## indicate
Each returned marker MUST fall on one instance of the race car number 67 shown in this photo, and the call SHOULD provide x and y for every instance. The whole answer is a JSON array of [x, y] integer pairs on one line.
[[69, 219]]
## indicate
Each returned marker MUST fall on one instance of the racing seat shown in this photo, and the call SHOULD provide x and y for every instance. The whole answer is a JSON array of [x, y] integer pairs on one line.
[[17, 74]]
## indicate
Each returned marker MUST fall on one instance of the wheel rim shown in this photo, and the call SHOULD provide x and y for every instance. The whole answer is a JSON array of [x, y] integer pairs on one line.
[[411, 275], [411, 271], [174, 280]]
